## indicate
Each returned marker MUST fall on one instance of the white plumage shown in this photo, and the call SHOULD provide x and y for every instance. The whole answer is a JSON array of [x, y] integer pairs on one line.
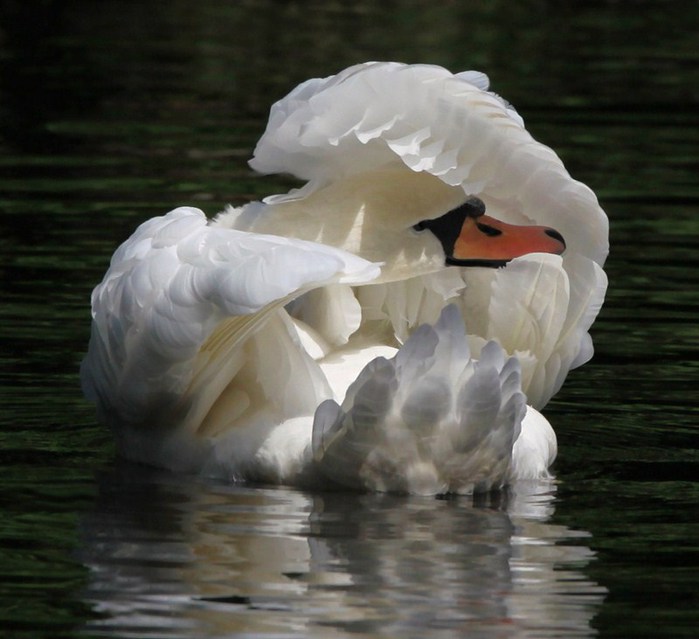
[[319, 338]]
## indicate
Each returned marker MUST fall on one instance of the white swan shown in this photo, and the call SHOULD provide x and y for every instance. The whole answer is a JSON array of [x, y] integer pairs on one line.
[[355, 331]]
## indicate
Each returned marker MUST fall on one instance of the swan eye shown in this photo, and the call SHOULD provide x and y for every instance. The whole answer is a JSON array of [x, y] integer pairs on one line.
[[420, 226], [488, 230]]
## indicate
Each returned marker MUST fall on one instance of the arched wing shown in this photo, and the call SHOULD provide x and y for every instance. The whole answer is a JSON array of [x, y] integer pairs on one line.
[[169, 287]]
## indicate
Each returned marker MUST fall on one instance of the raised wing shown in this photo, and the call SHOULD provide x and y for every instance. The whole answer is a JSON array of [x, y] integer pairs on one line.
[[422, 119], [179, 284]]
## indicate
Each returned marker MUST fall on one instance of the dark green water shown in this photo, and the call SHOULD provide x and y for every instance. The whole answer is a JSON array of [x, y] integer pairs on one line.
[[112, 112]]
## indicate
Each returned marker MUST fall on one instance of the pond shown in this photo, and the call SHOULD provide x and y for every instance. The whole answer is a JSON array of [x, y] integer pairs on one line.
[[114, 112]]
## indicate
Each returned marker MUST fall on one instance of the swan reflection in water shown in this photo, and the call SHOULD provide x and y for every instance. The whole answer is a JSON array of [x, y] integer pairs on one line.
[[169, 556]]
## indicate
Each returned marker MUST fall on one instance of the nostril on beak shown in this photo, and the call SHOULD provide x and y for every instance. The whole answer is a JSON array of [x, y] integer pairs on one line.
[[555, 235]]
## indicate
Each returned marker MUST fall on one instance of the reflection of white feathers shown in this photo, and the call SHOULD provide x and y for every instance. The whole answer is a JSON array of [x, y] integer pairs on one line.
[[215, 344], [168, 556]]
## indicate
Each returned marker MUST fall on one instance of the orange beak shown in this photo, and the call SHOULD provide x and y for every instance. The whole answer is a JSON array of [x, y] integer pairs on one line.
[[485, 238], [471, 238]]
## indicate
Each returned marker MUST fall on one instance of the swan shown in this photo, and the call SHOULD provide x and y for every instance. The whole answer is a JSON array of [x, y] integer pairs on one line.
[[394, 324]]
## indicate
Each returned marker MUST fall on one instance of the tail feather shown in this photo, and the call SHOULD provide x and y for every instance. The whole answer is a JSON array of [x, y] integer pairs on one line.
[[430, 420]]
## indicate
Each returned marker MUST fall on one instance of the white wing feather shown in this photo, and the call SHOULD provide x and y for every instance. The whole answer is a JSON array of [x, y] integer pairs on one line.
[[424, 118], [539, 312], [170, 285]]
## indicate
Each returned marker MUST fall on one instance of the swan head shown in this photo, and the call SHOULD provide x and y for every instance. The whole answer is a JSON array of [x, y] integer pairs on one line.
[[412, 223], [469, 237]]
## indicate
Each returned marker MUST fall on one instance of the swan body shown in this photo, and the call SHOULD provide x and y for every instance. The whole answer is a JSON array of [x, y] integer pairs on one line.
[[354, 331]]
